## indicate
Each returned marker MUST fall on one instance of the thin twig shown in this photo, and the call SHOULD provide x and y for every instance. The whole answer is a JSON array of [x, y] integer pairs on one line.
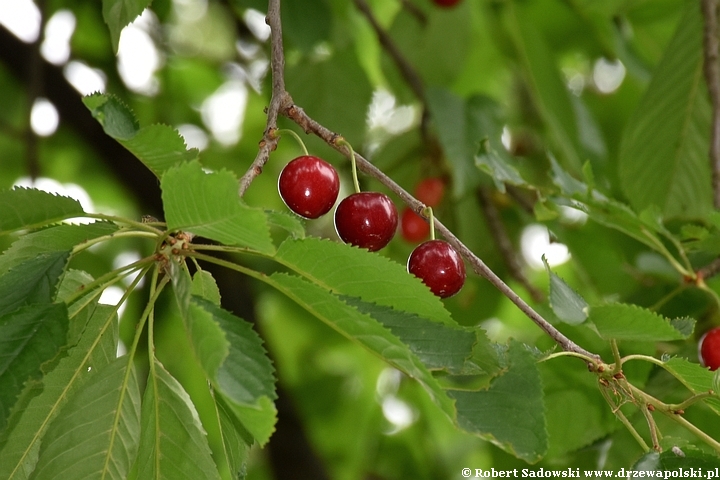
[[280, 97], [652, 426], [709, 270], [504, 245], [712, 77]]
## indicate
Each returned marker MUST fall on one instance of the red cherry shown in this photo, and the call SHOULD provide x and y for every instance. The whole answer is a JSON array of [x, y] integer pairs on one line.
[[710, 349], [367, 220], [430, 191], [439, 266], [446, 3], [309, 186], [413, 227]]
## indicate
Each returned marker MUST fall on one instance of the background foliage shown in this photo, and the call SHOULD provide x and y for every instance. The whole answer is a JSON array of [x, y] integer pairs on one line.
[[286, 354]]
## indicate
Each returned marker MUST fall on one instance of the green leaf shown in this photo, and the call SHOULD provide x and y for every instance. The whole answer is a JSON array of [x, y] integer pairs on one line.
[[233, 358], [358, 273], [669, 461], [204, 286], [603, 210], [663, 155], [96, 433], [81, 310], [207, 204], [219, 354], [173, 443], [246, 374], [630, 322], [695, 377], [567, 304], [32, 281], [362, 329], [510, 412], [492, 162], [30, 208], [52, 239], [96, 349], [545, 212], [234, 446], [29, 337], [345, 270], [438, 346], [116, 118], [290, 223], [119, 13], [691, 458], [159, 147]]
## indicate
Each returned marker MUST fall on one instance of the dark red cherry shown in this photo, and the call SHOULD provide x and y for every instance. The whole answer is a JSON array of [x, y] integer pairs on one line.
[[367, 220], [439, 266], [413, 227], [710, 349], [446, 3], [430, 191], [309, 186]]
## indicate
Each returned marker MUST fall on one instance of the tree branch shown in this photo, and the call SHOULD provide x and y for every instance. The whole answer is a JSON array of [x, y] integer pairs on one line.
[[280, 97], [712, 78], [281, 104], [709, 270]]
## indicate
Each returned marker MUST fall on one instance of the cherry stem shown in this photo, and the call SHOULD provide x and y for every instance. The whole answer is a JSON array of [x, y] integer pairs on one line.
[[281, 131], [623, 419], [353, 162], [428, 211]]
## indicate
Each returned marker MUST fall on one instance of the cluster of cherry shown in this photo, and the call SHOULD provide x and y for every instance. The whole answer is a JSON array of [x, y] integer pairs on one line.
[[309, 186]]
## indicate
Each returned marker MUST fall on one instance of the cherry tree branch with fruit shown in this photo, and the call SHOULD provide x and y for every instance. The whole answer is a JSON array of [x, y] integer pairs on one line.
[[284, 106], [610, 385]]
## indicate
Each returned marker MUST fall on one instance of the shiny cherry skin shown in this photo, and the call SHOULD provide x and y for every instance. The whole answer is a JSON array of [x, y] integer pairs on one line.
[[413, 227], [430, 191], [309, 186], [366, 220], [446, 3], [439, 266], [709, 348]]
